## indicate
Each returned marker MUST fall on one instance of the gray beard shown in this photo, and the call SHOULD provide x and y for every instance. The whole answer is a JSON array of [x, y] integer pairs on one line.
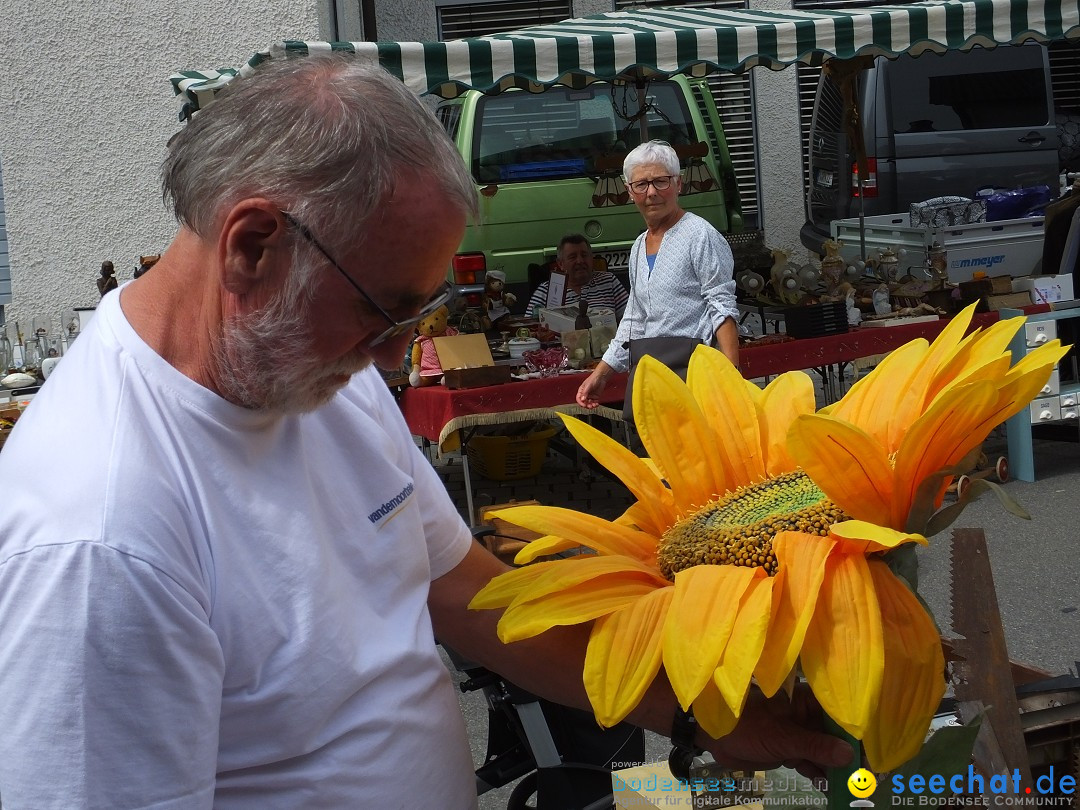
[[264, 359]]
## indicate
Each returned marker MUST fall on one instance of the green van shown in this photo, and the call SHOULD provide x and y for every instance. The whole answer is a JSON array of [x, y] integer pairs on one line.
[[547, 164]]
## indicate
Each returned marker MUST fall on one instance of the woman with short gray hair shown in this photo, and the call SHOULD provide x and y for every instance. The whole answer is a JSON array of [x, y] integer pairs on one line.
[[681, 287]]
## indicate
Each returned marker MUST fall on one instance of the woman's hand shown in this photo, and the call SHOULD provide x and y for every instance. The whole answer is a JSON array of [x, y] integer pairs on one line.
[[588, 393]]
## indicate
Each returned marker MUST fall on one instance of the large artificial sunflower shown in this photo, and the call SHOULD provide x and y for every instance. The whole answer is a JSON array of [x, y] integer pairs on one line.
[[758, 534]]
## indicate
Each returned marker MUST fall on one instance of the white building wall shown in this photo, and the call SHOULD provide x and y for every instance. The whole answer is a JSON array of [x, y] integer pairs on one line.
[[85, 111], [779, 152], [406, 20]]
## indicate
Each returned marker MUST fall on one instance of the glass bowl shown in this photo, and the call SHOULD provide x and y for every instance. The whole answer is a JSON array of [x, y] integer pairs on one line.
[[546, 362]]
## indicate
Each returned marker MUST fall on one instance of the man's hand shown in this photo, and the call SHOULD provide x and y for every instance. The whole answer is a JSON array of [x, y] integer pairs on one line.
[[776, 732]]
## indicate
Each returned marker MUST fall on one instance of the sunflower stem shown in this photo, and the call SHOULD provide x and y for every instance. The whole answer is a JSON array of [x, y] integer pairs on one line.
[[837, 795]]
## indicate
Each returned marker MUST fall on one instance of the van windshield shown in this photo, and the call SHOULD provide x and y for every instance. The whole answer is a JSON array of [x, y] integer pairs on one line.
[[559, 133]]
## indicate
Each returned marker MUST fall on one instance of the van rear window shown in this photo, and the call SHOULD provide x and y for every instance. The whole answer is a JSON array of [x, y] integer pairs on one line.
[[966, 91], [559, 133]]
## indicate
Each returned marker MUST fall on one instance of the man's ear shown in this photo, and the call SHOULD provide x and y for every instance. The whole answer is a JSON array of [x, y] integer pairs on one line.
[[253, 246]]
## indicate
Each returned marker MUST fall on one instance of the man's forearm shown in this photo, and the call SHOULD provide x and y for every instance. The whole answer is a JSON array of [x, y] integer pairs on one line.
[[551, 665]]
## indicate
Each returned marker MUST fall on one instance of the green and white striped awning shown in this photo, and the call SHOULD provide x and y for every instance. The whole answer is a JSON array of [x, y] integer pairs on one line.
[[654, 42]]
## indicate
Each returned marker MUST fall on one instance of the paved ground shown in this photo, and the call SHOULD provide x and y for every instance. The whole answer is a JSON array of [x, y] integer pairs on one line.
[[1035, 562]]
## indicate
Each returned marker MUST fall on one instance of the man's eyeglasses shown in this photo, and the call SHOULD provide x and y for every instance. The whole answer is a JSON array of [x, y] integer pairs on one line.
[[396, 328], [662, 183]]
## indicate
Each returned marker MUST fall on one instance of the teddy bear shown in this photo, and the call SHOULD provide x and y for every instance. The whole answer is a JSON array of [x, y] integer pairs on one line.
[[496, 301], [425, 361]]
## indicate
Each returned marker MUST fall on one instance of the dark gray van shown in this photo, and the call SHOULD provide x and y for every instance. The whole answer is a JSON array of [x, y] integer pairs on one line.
[[934, 125]]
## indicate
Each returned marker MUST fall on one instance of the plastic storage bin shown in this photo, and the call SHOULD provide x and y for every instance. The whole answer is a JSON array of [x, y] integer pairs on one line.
[[1010, 247], [506, 458], [816, 320]]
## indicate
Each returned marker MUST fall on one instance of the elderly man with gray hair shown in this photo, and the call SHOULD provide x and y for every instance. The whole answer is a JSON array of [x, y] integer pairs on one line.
[[231, 601]]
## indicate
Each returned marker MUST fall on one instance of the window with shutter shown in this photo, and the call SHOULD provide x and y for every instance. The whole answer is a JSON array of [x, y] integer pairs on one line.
[[478, 18], [1065, 75], [734, 97]]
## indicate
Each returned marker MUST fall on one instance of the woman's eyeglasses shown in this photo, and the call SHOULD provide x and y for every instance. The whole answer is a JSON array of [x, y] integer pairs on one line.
[[662, 183], [396, 328]]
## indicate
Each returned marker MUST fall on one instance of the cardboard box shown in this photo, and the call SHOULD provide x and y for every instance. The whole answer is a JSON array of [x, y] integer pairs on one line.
[[476, 377], [467, 362], [1013, 300], [1046, 289], [564, 319]]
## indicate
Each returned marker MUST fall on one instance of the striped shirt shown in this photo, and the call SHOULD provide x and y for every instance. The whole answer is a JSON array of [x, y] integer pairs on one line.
[[602, 290]]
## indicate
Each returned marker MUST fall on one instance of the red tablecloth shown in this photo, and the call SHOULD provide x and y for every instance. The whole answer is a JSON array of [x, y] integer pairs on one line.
[[428, 411], [863, 341]]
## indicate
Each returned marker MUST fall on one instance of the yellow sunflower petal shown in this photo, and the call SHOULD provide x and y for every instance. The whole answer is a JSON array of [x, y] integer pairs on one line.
[[712, 713], [843, 655], [993, 368], [623, 656], [952, 355], [703, 611], [729, 410], [786, 397], [914, 679], [747, 640], [846, 463], [801, 569], [860, 537], [596, 533], [578, 570], [753, 390], [635, 516], [978, 349], [676, 435], [870, 401], [639, 478], [542, 546], [575, 605], [932, 442], [502, 589], [1040, 360]]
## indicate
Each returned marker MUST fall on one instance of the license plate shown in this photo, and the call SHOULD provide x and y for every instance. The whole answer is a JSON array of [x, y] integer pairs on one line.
[[616, 259]]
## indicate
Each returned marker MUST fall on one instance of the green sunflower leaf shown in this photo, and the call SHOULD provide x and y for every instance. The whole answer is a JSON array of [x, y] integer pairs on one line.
[[922, 505], [947, 752]]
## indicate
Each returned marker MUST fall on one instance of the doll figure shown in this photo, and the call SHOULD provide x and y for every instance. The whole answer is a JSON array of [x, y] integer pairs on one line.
[[425, 360]]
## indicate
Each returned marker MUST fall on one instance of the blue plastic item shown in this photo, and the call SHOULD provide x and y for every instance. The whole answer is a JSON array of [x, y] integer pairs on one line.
[[547, 168]]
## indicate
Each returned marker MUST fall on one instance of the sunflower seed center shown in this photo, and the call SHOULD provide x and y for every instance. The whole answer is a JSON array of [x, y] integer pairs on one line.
[[738, 528]]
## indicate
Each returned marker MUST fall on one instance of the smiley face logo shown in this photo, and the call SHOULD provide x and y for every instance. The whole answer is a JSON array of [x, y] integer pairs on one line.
[[862, 783]]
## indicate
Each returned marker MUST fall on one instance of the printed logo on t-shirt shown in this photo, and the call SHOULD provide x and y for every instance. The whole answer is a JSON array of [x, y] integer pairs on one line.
[[392, 504]]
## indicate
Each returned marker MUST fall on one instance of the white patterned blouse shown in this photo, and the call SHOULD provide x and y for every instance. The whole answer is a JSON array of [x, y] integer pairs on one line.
[[688, 293]]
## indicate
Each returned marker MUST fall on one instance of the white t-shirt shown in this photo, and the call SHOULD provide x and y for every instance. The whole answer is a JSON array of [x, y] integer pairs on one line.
[[205, 606]]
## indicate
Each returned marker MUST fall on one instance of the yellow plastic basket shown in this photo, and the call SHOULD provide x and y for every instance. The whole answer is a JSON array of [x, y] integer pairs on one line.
[[507, 458]]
